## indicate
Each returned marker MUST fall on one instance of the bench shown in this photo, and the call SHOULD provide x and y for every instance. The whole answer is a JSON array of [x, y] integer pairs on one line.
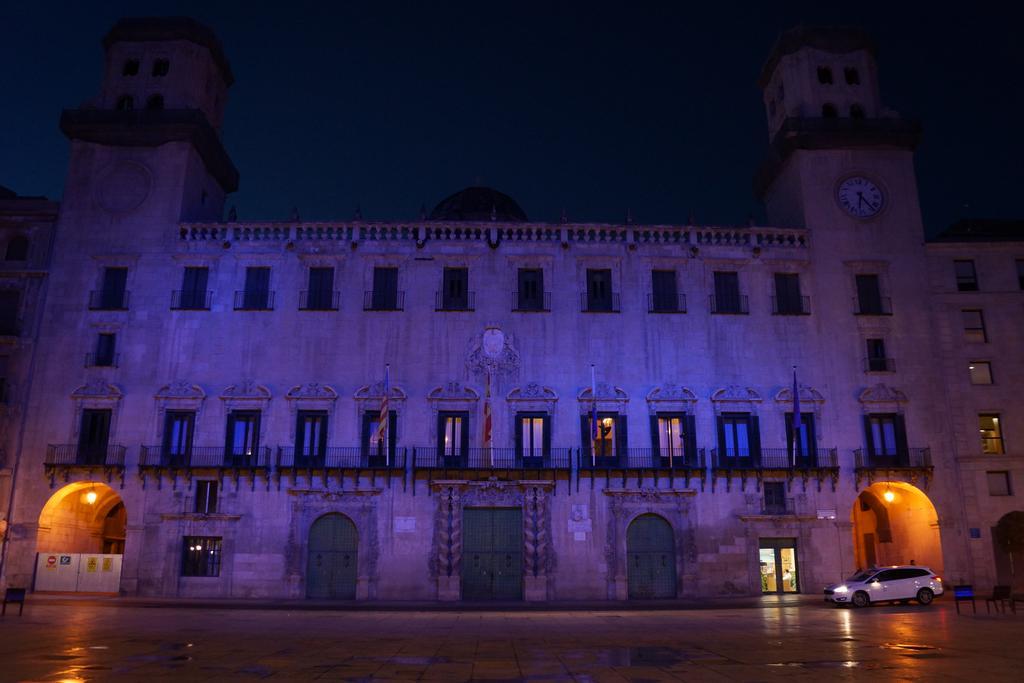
[[14, 595], [964, 593]]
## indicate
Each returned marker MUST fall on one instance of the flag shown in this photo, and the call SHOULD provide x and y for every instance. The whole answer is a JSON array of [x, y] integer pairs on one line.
[[382, 419], [487, 413], [593, 412], [797, 422]]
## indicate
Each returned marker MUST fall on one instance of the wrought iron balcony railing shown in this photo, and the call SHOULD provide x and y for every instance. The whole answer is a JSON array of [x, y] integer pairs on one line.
[[383, 301], [319, 300], [341, 457], [671, 303], [254, 300], [522, 303], [732, 305], [872, 305], [493, 458], [191, 300], [604, 304], [778, 507], [108, 300], [643, 458], [910, 458], [784, 305], [447, 302], [102, 360], [875, 364], [204, 457], [75, 455]]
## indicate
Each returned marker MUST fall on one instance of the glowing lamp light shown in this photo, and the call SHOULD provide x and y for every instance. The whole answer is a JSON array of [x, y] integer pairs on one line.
[[889, 496], [91, 497]]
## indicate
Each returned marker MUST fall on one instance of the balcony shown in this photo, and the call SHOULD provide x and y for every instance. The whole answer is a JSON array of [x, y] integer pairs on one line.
[[340, 458], [775, 459], [319, 300], [876, 364], [522, 303], [791, 305], [254, 300], [778, 508], [447, 302], [493, 459], [911, 458], [643, 459], [74, 455], [102, 360], [191, 300], [108, 300], [606, 304], [383, 301], [661, 303], [872, 305], [204, 457], [733, 305]]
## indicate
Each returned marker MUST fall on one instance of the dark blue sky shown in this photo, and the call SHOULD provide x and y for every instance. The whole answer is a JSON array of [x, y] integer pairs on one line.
[[651, 106]]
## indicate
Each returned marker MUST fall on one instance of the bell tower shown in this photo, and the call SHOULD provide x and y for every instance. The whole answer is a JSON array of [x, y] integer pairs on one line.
[[147, 150]]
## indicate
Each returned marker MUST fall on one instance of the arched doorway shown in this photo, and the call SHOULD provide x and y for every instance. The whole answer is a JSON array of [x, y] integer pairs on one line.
[[650, 558], [331, 570], [81, 539], [895, 523], [1008, 551]]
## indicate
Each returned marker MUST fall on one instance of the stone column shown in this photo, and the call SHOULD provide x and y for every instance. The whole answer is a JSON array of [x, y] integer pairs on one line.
[[448, 535], [130, 561]]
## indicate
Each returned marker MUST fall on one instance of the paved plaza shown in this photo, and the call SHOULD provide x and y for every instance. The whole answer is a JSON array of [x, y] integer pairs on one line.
[[757, 641]]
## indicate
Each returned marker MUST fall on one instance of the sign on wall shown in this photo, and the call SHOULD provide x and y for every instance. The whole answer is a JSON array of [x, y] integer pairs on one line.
[[78, 572]]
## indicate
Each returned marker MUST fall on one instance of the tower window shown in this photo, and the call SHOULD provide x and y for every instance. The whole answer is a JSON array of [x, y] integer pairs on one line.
[[852, 76], [856, 111], [825, 75], [131, 68], [828, 111], [161, 67], [125, 103], [155, 102]]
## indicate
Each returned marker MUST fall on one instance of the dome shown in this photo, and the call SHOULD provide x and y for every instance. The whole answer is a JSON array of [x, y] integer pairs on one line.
[[478, 204]]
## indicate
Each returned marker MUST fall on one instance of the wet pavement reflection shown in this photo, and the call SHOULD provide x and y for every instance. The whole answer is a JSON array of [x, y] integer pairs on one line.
[[80, 642]]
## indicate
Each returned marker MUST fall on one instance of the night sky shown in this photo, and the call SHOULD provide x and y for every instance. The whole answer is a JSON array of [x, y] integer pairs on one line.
[[652, 107]]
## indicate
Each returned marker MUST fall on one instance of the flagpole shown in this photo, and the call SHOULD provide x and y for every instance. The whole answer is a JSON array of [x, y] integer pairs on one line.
[[593, 417], [796, 419], [387, 420]]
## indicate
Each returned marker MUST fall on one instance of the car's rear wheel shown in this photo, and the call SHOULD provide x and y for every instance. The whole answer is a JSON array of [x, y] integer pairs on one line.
[[861, 599], [925, 596]]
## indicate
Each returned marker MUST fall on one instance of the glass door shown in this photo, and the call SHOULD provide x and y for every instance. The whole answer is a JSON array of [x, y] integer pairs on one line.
[[777, 559]]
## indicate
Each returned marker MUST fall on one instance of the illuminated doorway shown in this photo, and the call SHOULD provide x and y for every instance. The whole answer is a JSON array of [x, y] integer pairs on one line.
[[777, 559], [895, 523]]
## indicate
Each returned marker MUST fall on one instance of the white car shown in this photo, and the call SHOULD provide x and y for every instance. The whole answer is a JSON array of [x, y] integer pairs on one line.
[[883, 584]]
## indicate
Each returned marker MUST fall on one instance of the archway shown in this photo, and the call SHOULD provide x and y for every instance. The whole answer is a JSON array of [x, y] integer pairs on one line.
[[651, 558], [81, 539], [1008, 551], [895, 523], [332, 568]]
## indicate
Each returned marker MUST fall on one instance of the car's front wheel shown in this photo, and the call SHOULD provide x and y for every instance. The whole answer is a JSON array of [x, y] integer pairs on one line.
[[925, 596], [860, 599]]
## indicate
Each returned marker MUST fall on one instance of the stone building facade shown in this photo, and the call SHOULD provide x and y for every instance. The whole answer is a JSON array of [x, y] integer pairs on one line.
[[223, 437]]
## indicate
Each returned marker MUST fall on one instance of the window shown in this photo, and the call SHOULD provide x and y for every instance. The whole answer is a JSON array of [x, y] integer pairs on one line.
[[886, 435], [373, 439], [787, 295], [104, 356], [93, 437], [991, 434], [179, 426], [155, 102], [1020, 273], [321, 295], [829, 111], [999, 483], [869, 296], [112, 294], [130, 68], [385, 290], [737, 435], [17, 249], [533, 440], [664, 293], [452, 434], [806, 445], [193, 294], [966, 277], [599, 290], [856, 111], [775, 497], [671, 435], [877, 361], [980, 371], [200, 556], [10, 305], [310, 437], [603, 439], [974, 325], [824, 75], [727, 297], [125, 103], [455, 290], [243, 438], [256, 295], [206, 497], [531, 295], [161, 67], [852, 75]]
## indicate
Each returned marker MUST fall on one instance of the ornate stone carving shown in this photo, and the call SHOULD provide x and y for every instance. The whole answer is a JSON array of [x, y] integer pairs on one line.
[[532, 391], [180, 388], [605, 392], [881, 393], [672, 392], [492, 352], [97, 388], [807, 395], [537, 533], [376, 391], [453, 391], [446, 558], [247, 389], [734, 392], [312, 391]]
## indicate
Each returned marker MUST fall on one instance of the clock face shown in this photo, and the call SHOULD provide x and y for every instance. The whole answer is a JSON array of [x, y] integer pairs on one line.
[[860, 197]]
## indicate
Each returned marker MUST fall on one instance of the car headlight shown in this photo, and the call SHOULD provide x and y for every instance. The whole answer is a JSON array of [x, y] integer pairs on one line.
[[842, 589]]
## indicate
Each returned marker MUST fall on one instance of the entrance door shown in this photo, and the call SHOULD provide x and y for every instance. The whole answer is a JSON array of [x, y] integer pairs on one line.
[[331, 570], [492, 554], [778, 565], [651, 558]]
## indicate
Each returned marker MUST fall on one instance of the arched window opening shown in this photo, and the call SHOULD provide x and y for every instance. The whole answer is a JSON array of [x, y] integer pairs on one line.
[[125, 103], [825, 75], [131, 68], [852, 76], [17, 249], [856, 111], [828, 111], [155, 102]]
